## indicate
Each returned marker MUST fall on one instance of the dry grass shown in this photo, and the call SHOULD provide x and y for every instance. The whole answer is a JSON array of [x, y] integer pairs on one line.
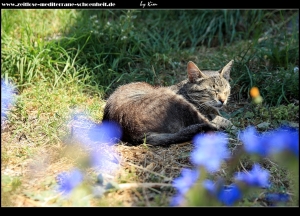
[[144, 175]]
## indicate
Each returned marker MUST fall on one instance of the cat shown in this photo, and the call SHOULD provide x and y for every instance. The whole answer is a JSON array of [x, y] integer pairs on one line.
[[172, 114]]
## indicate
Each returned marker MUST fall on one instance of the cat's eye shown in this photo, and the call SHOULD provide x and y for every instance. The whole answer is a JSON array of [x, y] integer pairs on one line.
[[215, 91]]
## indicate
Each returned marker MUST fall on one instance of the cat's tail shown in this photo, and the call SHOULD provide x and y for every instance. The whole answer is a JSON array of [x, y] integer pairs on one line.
[[184, 135]]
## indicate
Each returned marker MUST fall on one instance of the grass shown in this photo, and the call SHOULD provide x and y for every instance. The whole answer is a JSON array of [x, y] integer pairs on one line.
[[65, 62]]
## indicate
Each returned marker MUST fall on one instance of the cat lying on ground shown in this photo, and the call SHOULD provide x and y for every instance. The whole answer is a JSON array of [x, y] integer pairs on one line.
[[174, 114]]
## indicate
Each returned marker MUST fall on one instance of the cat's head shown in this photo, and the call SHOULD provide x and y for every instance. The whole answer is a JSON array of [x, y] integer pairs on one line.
[[208, 88]]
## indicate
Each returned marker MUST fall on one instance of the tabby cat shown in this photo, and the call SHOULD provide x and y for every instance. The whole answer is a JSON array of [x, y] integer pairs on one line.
[[174, 114]]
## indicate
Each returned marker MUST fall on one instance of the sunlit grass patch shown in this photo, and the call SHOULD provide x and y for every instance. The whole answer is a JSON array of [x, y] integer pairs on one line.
[[30, 24], [36, 124]]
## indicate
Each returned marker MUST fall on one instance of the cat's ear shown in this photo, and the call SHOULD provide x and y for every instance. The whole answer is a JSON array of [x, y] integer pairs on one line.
[[194, 72], [225, 72]]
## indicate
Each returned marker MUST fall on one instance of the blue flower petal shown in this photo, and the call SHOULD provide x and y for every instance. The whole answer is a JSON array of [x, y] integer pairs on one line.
[[253, 142], [257, 177], [67, 181], [186, 180], [210, 150]]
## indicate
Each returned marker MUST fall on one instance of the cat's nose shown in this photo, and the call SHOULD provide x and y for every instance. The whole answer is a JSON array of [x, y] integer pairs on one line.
[[222, 101]]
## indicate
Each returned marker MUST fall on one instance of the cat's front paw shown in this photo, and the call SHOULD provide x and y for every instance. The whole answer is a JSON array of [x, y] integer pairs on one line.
[[222, 123]]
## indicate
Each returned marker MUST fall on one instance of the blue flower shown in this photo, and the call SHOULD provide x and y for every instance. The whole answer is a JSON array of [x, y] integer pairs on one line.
[[277, 197], [105, 160], [227, 195], [183, 184], [177, 199], [67, 181], [284, 139], [107, 132], [91, 135], [8, 92], [256, 177], [186, 180], [253, 142], [230, 194], [210, 150], [97, 140], [209, 185], [294, 144]]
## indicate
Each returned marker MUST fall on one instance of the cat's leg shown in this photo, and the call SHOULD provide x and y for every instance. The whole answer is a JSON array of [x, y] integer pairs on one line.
[[184, 135], [214, 111]]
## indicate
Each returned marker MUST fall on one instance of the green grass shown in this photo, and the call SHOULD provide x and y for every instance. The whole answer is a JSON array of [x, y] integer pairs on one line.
[[68, 61]]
